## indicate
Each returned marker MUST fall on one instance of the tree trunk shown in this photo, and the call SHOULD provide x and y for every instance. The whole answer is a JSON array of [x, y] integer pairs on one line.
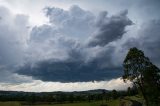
[[144, 95]]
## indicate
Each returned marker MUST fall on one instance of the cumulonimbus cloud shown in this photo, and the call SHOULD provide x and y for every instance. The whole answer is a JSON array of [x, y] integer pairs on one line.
[[62, 36], [75, 46], [109, 28]]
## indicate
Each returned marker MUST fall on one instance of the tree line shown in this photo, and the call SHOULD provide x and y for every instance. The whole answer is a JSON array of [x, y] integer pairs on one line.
[[64, 97]]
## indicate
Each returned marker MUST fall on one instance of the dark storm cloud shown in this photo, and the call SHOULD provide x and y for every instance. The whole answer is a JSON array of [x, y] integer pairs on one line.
[[69, 71], [110, 28], [8, 76], [148, 40], [83, 63], [60, 54], [152, 42]]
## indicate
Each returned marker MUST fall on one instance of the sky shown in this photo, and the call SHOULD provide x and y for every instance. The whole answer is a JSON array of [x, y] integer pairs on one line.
[[73, 45]]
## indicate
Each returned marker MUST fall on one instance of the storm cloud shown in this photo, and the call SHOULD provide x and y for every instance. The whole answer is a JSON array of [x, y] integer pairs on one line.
[[69, 71], [13, 37], [65, 58], [147, 38], [76, 45], [109, 28]]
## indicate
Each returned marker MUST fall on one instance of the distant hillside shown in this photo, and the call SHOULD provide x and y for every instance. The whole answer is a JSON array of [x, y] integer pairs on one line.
[[96, 91]]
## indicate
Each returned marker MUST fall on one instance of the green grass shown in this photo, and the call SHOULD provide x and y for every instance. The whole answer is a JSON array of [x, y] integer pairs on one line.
[[76, 104], [136, 98], [116, 102], [98, 103], [67, 104], [113, 102], [10, 104], [109, 103]]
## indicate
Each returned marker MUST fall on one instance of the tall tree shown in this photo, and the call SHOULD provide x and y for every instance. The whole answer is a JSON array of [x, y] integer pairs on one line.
[[114, 94], [138, 69], [152, 84]]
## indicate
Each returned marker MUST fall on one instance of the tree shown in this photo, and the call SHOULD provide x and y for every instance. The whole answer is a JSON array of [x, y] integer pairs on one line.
[[31, 99], [71, 98], [114, 94], [129, 91], [103, 96], [152, 84], [139, 70]]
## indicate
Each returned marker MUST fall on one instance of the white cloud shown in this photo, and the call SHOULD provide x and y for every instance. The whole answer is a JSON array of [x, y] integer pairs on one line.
[[34, 9], [39, 86]]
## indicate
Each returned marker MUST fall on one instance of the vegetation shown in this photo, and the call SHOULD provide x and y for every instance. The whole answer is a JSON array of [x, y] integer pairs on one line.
[[87, 98], [144, 75], [10, 104], [117, 102]]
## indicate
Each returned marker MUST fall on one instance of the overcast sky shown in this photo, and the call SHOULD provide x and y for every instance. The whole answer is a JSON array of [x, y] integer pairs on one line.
[[67, 45]]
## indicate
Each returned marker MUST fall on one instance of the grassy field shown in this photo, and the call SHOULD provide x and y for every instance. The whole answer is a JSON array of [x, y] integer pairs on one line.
[[109, 103], [136, 98], [10, 104], [76, 104], [113, 102], [118, 102]]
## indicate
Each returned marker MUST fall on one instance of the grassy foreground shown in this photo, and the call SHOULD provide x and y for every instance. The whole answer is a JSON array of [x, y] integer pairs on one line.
[[127, 101], [76, 104], [10, 104], [109, 103]]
